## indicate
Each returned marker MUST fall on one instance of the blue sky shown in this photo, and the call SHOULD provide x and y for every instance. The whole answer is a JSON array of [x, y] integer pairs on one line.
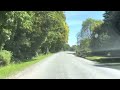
[[74, 20]]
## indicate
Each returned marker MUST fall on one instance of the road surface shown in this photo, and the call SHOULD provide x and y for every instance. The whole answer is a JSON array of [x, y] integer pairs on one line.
[[65, 65]]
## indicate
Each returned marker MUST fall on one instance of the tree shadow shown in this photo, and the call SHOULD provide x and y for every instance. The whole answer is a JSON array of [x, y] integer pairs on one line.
[[109, 65], [71, 53], [109, 60]]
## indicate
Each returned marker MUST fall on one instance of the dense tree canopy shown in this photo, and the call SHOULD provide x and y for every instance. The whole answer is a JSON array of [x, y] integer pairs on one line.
[[85, 36], [101, 37], [28, 33]]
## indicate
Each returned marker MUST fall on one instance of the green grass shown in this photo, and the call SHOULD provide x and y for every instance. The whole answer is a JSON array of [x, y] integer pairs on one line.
[[95, 58], [101, 59], [14, 68]]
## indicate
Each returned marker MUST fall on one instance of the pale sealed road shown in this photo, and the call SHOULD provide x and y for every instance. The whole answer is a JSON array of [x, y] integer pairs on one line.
[[64, 65]]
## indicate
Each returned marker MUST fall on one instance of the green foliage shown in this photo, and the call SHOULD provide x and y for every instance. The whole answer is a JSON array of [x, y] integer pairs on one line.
[[66, 47], [73, 48], [58, 33], [101, 38], [97, 41], [88, 27], [85, 37], [28, 33], [108, 34], [14, 68], [5, 57]]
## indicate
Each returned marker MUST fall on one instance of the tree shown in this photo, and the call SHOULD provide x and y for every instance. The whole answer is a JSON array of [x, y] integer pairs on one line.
[[86, 35], [66, 47], [73, 48], [29, 33], [107, 32], [5, 31], [88, 27], [58, 33]]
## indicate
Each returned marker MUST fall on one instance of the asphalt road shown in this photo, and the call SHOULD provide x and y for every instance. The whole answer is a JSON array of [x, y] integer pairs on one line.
[[65, 65]]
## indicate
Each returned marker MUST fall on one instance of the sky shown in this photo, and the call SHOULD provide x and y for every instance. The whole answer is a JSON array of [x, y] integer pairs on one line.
[[74, 20]]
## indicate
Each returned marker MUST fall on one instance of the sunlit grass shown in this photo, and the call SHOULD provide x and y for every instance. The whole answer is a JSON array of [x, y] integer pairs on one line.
[[95, 58], [101, 59], [14, 68]]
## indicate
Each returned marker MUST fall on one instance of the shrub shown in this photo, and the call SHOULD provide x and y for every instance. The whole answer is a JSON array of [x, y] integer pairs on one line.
[[5, 57], [83, 53]]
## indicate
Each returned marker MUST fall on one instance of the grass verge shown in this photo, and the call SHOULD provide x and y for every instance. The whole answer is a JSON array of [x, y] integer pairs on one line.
[[104, 59], [95, 58], [13, 68]]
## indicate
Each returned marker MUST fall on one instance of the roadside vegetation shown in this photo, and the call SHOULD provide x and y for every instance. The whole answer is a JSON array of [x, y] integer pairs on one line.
[[67, 47], [95, 58], [27, 34], [13, 68], [99, 40]]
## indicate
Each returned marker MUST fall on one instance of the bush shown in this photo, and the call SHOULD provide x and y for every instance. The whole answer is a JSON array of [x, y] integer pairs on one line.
[[83, 53], [5, 57]]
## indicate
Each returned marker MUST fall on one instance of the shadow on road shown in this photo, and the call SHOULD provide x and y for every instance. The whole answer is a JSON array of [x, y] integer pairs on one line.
[[109, 65], [113, 63], [110, 62], [71, 53]]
